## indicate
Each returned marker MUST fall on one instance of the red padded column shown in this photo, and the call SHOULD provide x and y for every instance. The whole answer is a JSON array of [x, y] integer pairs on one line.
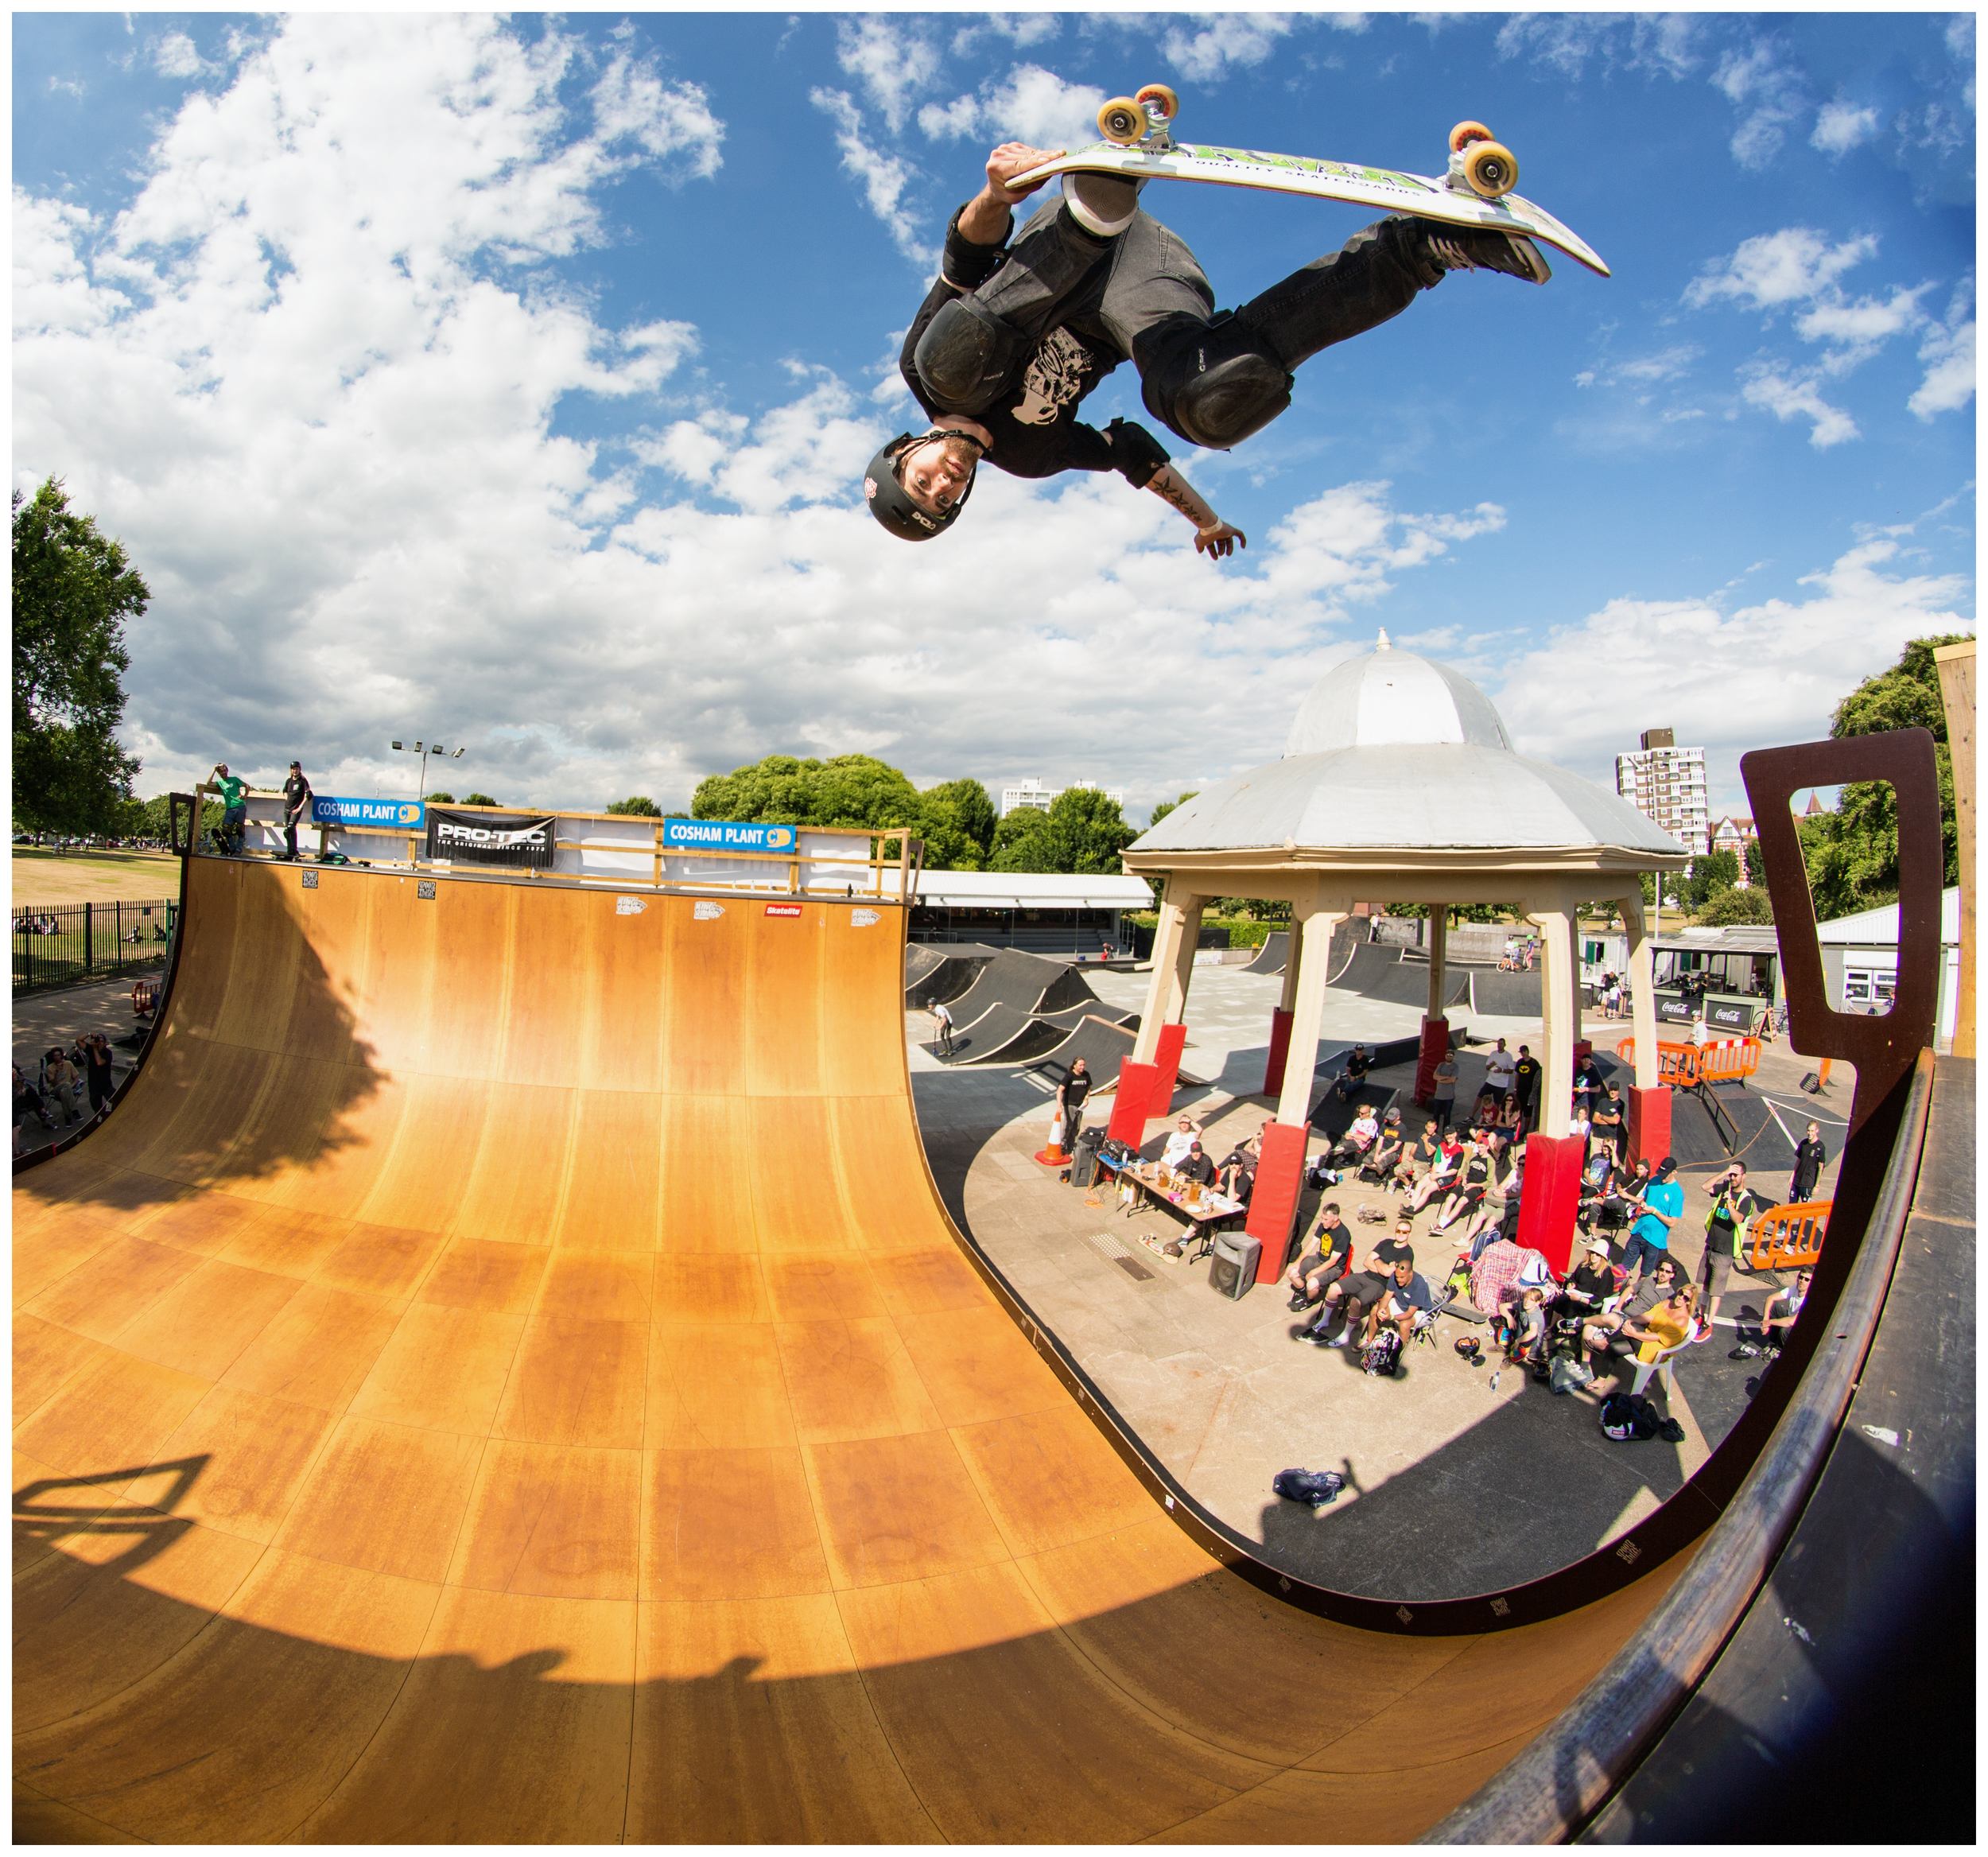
[[1552, 1194], [1280, 1173], [1136, 1084], [1435, 1047], [1649, 1121], [1166, 1063], [1279, 1050]]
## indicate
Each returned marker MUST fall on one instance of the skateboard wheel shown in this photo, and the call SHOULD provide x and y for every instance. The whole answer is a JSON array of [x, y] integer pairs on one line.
[[1163, 95], [1491, 168], [1121, 121], [1467, 132]]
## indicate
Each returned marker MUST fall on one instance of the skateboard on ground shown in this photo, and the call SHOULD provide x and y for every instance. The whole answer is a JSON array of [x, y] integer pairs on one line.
[[1475, 191]]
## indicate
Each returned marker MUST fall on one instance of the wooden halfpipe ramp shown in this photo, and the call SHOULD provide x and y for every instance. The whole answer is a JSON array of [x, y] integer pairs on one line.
[[504, 1372]]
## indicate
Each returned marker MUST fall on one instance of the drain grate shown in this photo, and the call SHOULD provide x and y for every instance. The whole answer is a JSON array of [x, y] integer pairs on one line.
[[1112, 1247]]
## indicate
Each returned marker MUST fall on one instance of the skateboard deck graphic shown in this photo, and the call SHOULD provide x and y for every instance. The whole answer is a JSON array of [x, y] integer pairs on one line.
[[1384, 187]]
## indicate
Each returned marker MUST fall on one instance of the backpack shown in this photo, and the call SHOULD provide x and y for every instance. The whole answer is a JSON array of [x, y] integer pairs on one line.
[[1383, 1356], [1315, 1487], [1628, 1418]]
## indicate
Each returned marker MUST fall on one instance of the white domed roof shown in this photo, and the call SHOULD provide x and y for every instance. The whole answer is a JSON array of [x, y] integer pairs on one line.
[[1394, 699]]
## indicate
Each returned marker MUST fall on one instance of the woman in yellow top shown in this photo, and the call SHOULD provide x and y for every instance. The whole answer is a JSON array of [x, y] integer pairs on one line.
[[1669, 1323]]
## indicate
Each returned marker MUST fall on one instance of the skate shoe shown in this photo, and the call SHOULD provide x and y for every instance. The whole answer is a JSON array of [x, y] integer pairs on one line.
[[1464, 248], [1102, 204]]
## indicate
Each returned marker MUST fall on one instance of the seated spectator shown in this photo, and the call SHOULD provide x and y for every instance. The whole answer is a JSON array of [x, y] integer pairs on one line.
[[1524, 1335], [1405, 1294], [1631, 1310], [1671, 1322], [1359, 1291], [1777, 1318], [1416, 1159], [1357, 1140], [1484, 1111], [1443, 1175], [27, 1103], [1592, 1284], [1236, 1176], [1386, 1153], [1194, 1165], [1510, 1117], [1472, 1181], [1185, 1135], [1354, 1074], [59, 1082], [1325, 1256]]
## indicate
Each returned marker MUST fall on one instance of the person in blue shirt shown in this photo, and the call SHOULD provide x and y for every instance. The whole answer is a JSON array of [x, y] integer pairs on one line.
[[1649, 1240]]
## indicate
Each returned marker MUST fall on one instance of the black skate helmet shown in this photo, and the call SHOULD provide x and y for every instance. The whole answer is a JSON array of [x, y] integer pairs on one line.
[[893, 505]]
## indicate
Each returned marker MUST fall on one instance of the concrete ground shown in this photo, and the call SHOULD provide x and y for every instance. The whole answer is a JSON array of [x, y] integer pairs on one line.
[[58, 1017], [1455, 1487]]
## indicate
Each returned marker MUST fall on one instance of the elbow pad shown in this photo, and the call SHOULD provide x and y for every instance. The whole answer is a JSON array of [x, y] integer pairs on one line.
[[1136, 455]]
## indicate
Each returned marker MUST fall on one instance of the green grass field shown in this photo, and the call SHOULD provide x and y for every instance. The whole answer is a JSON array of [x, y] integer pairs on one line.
[[50, 877]]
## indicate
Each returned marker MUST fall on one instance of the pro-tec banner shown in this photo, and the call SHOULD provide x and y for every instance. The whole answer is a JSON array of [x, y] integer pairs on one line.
[[403, 815], [725, 835], [515, 839]]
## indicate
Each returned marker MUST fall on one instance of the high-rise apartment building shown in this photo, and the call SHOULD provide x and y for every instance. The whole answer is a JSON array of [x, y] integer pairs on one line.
[[1032, 792], [1667, 783]]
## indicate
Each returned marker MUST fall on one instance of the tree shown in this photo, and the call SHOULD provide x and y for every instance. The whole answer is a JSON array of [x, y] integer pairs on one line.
[[959, 814], [849, 791], [1022, 841], [1715, 872], [1755, 862], [478, 799], [1164, 807], [637, 806], [441, 799], [73, 591], [1735, 905], [1852, 853], [1087, 832]]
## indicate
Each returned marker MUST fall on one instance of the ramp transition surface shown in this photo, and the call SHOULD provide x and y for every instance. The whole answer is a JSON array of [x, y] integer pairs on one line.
[[503, 1373]]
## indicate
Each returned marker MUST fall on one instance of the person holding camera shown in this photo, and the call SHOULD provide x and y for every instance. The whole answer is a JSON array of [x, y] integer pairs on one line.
[[1734, 1208]]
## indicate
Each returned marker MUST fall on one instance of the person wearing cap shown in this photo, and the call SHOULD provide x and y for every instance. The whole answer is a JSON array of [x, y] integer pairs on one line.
[[1357, 1140], [1184, 1136], [1386, 1154], [234, 790], [297, 805], [1362, 1290], [1649, 1238], [1593, 1281], [1195, 1165], [1011, 337]]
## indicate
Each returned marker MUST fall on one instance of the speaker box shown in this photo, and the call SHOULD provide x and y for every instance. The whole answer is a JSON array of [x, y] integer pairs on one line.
[[1231, 1269]]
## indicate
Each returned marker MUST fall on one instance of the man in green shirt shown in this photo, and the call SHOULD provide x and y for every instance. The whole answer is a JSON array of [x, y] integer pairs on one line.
[[234, 809]]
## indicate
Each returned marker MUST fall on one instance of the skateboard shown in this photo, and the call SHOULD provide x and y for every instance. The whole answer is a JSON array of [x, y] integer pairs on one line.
[[1475, 190]]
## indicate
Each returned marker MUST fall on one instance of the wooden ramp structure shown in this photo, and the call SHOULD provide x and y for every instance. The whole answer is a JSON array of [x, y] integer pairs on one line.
[[504, 1372]]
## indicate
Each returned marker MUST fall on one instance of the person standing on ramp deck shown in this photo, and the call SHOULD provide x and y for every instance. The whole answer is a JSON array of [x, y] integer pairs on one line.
[[1011, 338]]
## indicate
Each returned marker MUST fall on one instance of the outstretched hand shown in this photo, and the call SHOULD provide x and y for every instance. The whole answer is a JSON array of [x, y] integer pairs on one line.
[[1219, 541], [1012, 158]]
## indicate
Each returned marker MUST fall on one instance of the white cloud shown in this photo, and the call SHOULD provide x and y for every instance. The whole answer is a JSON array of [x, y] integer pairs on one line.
[[1948, 352], [1657, 44], [1020, 29], [1857, 330], [1770, 92], [891, 63], [1773, 672], [1202, 51], [1772, 386], [1842, 126], [1792, 266], [175, 55], [1030, 105], [632, 103], [884, 177], [1669, 364]]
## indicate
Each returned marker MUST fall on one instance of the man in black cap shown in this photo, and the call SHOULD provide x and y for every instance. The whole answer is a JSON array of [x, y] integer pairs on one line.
[[1649, 1239], [1012, 337], [297, 806]]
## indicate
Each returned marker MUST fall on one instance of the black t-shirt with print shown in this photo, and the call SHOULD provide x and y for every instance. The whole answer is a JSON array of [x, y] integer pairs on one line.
[[1076, 1087], [1033, 422]]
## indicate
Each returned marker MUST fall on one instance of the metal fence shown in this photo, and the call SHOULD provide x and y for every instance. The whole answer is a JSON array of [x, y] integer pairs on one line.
[[60, 944]]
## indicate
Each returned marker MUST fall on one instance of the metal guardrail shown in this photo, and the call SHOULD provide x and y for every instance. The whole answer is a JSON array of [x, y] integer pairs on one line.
[[60, 944]]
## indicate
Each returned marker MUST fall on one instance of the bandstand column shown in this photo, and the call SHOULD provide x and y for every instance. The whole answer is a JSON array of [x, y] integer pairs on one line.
[[1280, 1019], [1559, 1014], [1649, 1104], [1439, 957], [1435, 1023]]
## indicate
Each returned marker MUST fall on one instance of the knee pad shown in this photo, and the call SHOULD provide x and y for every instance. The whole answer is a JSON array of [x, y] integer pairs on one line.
[[964, 357], [1219, 388]]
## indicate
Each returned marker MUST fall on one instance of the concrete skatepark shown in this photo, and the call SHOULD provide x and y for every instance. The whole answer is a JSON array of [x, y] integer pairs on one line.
[[460, 1397]]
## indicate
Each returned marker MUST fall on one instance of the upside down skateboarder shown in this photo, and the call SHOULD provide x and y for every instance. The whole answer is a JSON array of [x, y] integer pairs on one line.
[[1012, 337]]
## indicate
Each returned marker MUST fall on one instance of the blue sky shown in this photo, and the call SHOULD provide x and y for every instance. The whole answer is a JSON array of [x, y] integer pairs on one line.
[[510, 381]]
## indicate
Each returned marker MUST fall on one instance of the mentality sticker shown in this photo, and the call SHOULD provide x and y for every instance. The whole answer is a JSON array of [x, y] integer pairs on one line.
[[707, 911], [862, 918], [783, 909], [629, 906]]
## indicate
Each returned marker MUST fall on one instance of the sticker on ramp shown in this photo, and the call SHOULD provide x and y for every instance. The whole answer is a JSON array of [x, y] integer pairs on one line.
[[783, 909], [862, 918], [629, 906], [707, 911]]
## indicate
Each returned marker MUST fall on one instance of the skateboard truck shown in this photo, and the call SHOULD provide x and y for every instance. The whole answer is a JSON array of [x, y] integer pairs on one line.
[[1478, 166], [1140, 121]]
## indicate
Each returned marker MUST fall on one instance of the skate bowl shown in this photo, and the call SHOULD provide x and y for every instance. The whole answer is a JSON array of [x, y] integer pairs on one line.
[[502, 1372]]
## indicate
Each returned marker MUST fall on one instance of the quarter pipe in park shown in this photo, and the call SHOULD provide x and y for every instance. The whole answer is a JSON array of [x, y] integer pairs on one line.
[[502, 1372]]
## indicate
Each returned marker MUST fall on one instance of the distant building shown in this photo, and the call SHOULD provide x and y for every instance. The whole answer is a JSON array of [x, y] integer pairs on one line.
[[1667, 783], [1032, 792], [1734, 834]]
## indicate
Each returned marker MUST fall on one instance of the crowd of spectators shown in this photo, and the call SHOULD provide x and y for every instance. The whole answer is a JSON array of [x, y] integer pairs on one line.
[[69, 1084]]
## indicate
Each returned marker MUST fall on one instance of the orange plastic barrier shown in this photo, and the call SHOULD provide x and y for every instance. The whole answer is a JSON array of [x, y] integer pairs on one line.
[[1722, 1061], [1789, 1237]]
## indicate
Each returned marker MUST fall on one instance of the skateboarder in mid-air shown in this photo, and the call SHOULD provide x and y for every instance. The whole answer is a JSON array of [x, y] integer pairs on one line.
[[1011, 338]]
